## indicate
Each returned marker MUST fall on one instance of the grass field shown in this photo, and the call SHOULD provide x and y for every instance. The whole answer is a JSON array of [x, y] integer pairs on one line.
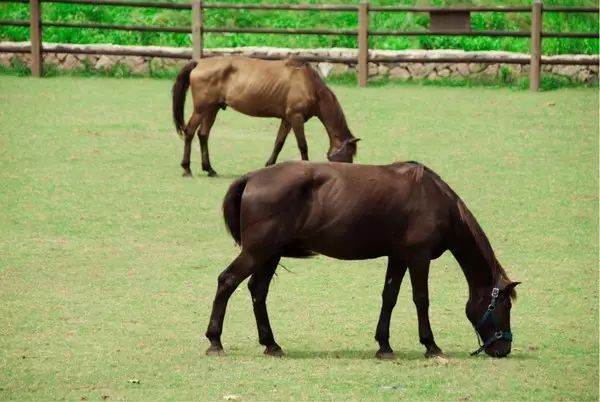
[[109, 258]]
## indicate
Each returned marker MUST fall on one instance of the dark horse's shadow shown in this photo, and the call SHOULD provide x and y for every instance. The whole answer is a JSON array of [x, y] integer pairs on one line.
[[346, 354], [400, 355]]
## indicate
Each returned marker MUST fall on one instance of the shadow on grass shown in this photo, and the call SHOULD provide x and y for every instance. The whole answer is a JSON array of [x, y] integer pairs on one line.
[[400, 355], [350, 354], [204, 176]]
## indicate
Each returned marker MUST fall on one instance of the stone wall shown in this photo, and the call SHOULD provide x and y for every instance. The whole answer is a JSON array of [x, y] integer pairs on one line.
[[378, 67]]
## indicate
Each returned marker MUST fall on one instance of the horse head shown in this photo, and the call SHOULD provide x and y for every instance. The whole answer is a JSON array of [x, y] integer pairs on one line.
[[489, 312], [344, 152]]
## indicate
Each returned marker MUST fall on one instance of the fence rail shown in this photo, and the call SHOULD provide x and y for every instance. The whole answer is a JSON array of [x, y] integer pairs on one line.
[[444, 21]]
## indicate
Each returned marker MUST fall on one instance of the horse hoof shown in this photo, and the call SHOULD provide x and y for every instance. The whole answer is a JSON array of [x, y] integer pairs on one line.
[[274, 351], [187, 174], [435, 353], [385, 355], [215, 351], [212, 173]]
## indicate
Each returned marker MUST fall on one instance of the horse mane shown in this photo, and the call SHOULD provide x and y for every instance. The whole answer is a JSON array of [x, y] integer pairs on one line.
[[466, 217], [295, 62], [321, 91]]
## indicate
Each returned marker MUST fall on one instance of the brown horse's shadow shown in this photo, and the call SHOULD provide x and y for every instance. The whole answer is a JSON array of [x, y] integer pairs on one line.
[[203, 176]]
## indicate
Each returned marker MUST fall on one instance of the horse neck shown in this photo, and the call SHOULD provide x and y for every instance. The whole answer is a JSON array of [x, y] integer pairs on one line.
[[331, 115], [479, 271]]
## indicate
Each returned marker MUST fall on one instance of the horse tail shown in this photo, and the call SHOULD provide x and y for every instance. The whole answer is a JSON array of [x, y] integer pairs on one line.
[[180, 87], [232, 205]]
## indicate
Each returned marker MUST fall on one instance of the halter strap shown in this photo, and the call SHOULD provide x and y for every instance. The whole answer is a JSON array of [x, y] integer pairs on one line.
[[337, 151], [498, 334]]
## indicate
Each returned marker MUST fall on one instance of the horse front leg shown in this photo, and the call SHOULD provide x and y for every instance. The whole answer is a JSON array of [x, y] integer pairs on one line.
[[284, 129], [208, 119], [298, 126], [391, 288], [419, 274], [241, 268], [259, 287], [189, 131]]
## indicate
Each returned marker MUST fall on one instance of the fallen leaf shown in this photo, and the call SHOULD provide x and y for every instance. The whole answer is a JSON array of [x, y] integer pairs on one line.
[[232, 397], [134, 381]]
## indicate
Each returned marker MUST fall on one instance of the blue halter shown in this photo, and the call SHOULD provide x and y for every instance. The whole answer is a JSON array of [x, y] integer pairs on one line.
[[498, 334]]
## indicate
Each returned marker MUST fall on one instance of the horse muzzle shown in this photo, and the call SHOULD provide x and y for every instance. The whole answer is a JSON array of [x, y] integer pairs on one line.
[[499, 349]]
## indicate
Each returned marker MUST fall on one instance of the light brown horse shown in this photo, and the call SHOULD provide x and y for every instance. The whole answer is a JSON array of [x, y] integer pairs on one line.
[[352, 212], [290, 90]]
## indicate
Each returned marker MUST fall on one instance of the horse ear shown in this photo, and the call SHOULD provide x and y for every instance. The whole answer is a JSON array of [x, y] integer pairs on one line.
[[354, 140], [510, 289]]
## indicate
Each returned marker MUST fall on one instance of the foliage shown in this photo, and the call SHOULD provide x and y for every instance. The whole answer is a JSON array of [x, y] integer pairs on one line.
[[109, 258], [310, 19]]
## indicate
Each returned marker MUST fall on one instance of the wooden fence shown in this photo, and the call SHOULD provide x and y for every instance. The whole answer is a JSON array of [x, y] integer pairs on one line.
[[444, 21]]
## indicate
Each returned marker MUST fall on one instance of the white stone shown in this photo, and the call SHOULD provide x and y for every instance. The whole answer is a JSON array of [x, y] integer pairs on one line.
[[137, 64], [460, 68], [383, 70], [583, 75], [476, 67], [71, 63], [5, 59], [444, 73], [372, 68], [568, 71], [325, 68], [104, 63], [339, 68], [400, 73], [491, 70]]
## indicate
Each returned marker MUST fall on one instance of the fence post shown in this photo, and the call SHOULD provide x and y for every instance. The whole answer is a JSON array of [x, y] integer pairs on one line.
[[196, 29], [536, 46], [363, 43], [35, 34]]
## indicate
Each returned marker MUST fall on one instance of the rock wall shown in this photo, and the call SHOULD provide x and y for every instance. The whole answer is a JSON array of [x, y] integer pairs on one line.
[[378, 66]]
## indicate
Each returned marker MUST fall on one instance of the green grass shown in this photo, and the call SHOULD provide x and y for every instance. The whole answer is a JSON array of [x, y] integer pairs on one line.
[[285, 19], [109, 258]]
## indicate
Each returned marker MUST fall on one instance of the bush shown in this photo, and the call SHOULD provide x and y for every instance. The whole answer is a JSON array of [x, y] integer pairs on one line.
[[309, 19]]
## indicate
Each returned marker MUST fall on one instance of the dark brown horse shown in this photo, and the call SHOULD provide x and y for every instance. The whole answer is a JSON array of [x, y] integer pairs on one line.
[[290, 90], [352, 212]]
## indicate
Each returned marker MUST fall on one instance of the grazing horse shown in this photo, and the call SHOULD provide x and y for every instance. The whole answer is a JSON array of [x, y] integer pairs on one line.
[[290, 90], [403, 211]]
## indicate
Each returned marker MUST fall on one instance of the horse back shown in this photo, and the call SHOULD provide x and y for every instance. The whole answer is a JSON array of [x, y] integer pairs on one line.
[[344, 211], [263, 88]]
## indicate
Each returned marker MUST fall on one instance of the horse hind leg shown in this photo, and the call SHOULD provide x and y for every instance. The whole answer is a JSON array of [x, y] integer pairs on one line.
[[393, 280], [241, 268], [189, 132], [208, 119], [259, 287]]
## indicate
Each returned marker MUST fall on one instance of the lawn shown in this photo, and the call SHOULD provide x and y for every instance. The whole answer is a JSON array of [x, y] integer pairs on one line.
[[109, 258]]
